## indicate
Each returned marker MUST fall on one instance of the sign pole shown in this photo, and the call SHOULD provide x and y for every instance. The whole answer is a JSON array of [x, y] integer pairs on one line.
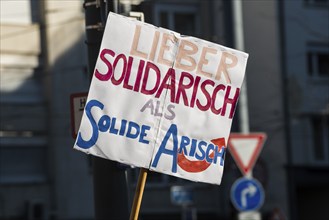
[[239, 44], [138, 194]]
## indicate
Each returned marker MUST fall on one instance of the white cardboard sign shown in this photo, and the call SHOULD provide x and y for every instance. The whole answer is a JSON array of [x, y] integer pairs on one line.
[[161, 101]]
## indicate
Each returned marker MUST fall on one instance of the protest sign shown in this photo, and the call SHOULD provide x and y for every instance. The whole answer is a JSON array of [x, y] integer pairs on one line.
[[161, 101]]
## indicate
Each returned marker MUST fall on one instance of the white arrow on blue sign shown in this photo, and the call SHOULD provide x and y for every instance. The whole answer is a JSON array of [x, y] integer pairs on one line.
[[247, 194]]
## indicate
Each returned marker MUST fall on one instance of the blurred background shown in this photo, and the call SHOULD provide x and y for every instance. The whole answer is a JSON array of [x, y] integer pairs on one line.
[[46, 56]]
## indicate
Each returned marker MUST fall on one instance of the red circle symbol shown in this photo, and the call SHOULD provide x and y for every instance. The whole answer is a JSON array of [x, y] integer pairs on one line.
[[197, 166]]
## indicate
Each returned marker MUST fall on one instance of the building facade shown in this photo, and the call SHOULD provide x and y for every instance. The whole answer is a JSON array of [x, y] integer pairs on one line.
[[305, 53], [43, 60]]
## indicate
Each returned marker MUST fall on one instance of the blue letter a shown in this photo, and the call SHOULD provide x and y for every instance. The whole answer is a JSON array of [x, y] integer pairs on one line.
[[162, 149]]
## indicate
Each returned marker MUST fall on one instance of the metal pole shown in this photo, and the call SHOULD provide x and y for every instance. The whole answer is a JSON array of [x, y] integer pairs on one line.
[[290, 169], [239, 44], [116, 6], [110, 187]]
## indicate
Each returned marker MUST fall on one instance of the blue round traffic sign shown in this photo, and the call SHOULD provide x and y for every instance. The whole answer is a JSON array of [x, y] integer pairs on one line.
[[247, 194]]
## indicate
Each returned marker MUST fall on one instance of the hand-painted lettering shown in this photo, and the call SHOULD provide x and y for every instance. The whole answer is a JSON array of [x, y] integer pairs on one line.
[[158, 110], [206, 95], [204, 153], [110, 125], [187, 58]]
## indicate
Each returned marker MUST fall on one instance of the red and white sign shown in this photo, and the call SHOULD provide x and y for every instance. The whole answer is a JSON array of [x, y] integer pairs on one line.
[[77, 104], [245, 149]]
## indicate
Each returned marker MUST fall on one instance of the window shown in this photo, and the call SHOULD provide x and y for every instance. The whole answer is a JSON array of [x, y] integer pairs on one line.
[[318, 60], [316, 2], [320, 136], [22, 157], [180, 18]]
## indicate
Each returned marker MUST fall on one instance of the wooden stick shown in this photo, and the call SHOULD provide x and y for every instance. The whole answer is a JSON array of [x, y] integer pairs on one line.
[[138, 194]]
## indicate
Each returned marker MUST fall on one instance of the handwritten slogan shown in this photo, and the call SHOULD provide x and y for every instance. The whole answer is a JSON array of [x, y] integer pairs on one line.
[[161, 101]]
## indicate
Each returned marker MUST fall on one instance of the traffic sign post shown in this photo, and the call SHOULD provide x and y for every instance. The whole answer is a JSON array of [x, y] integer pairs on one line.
[[247, 194]]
